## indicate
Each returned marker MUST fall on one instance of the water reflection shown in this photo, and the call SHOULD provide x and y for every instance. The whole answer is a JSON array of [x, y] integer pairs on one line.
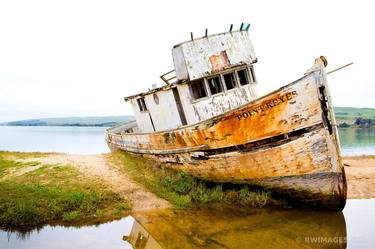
[[357, 141], [228, 228], [205, 228]]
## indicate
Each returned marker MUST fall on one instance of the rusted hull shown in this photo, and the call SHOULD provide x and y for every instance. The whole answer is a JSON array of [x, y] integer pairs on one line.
[[286, 141]]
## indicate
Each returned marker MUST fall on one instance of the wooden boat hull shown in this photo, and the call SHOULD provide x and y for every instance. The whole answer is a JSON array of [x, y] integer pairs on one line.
[[286, 141]]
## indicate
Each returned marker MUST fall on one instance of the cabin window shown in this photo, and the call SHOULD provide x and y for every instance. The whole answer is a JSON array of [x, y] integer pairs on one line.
[[141, 104], [252, 75], [229, 80], [242, 77], [215, 85], [198, 89]]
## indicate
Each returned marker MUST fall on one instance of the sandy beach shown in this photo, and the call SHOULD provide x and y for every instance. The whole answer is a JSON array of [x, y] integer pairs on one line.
[[360, 175]]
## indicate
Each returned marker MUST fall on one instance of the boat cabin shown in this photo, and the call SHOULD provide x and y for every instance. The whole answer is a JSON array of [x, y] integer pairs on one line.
[[212, 75]]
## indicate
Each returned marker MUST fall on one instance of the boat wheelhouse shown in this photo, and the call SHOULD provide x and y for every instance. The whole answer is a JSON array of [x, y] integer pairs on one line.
[[212, 75], [208, 120]]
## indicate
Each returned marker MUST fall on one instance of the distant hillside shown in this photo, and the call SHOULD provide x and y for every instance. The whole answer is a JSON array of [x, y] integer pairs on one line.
[[105, 121], [346, 117], [355, 117]]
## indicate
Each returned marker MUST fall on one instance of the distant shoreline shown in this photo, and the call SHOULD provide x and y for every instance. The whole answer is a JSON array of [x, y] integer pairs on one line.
[[63, 125], [92, 121]]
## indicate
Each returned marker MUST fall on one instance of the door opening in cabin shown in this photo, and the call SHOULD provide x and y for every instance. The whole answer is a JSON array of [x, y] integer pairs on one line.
[[180, 109]]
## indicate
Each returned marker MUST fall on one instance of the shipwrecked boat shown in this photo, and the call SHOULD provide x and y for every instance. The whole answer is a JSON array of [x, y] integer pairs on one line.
[[208, 120]]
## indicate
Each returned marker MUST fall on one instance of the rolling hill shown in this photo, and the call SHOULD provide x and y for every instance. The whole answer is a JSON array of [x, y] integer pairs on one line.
[[355, 117], [104, 121]]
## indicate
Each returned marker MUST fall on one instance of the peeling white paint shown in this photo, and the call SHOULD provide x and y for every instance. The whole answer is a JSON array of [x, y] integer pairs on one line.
[[192, 58]]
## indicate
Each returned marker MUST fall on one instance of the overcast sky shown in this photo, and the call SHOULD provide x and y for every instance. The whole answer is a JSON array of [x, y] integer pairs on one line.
[[80, 58]]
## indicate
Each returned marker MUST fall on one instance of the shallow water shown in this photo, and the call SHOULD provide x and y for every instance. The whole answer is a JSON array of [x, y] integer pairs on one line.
[[90, 140], [214, 228], [65, 139]]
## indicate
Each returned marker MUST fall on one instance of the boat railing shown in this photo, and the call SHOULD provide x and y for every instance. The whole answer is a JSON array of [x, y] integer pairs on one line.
[[170, 77], [122, 127]]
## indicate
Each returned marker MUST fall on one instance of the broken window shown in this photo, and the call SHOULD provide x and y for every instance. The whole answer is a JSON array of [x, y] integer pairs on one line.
[[215, 85], [198, 89], [252, 74], [230, 81], [243, 77], [142, 104]]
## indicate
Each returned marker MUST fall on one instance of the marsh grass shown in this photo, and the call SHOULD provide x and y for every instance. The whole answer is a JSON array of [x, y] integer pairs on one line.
[[184, 190], [52, 193]]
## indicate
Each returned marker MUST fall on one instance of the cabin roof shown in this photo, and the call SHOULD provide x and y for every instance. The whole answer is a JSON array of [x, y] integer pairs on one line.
[[208, 36], [151, 91]]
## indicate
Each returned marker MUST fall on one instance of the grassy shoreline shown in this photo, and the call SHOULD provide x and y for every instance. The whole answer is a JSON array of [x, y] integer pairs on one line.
[[32, 193], [185, 191]]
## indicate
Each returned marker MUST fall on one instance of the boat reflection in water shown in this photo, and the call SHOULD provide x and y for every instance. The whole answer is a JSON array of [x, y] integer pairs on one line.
[[226, 228]]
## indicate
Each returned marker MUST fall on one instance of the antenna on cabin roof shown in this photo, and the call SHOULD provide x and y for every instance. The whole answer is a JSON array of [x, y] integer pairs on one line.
[[337, 69], [231, 27], [191, 36], [244, 26], [206, 33]]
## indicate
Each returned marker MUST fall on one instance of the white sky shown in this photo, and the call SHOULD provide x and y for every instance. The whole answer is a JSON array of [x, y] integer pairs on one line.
[[80, 58]]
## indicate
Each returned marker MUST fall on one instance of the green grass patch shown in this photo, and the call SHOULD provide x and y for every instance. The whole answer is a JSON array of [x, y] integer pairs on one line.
[[6, 164], [32, 203], [53, 193], [184, 190]]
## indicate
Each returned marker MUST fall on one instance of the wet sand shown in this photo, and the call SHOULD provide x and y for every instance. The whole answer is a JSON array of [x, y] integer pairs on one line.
[[360, 175]]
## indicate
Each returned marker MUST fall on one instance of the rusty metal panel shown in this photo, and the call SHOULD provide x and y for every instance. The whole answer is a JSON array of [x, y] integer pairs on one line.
[[207, 55]]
